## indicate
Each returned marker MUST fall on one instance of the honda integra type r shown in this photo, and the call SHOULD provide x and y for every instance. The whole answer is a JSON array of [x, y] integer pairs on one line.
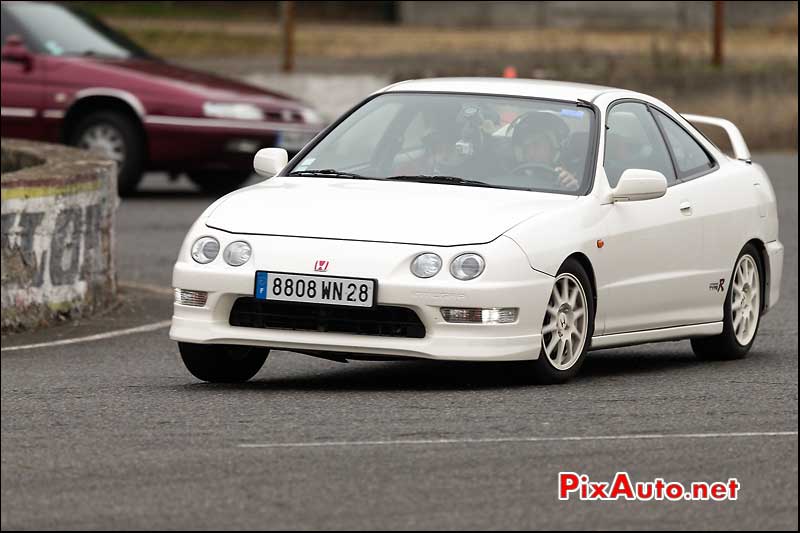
[[484, 220]]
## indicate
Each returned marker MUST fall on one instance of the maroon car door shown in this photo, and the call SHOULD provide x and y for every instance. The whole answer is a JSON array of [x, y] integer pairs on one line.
[[22, 85]]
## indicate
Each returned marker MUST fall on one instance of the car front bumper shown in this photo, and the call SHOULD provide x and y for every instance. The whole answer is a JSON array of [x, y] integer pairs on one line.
[[507, 282]]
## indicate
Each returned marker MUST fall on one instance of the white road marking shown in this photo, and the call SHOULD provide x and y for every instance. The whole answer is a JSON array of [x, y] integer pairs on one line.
[[98, 337], [501, 440], [110, 334]]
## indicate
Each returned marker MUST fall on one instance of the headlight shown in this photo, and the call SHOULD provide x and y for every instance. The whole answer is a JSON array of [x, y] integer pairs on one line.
[[310, 116], [205, 249], [233, 110], [237, 253], [467, 266], [426, 265]]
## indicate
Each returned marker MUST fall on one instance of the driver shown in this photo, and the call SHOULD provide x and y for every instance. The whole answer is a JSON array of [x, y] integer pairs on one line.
[[537, 139]]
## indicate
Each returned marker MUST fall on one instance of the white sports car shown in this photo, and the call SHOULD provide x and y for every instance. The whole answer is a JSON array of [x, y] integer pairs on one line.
[[484, 220]]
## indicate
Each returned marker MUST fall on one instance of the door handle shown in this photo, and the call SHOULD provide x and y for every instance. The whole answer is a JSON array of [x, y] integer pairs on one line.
[[686, 208]]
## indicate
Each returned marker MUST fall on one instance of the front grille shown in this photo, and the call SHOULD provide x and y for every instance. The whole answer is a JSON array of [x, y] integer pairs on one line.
[[381, 321]]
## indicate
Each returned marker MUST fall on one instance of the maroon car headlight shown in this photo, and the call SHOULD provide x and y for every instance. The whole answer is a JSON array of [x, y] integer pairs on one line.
[[236, 111], [310, 116]]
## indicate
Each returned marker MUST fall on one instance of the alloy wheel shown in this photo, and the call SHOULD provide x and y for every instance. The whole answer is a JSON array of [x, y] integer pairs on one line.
[[104, 140], [745, 300], [565, 323]]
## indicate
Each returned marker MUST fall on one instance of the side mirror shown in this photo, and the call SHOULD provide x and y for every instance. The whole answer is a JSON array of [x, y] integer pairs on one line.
[[639, 184], [14, 49], [270, 161]]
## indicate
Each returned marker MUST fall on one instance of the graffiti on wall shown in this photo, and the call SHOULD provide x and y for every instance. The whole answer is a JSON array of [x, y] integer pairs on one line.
[[76, 236], [53, 250]]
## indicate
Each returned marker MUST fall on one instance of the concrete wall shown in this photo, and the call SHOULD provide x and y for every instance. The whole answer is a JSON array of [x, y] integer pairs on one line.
[[592, 14], [58, 211]]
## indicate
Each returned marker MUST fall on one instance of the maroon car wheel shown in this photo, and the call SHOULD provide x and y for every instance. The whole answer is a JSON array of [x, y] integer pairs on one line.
[[114, 135]]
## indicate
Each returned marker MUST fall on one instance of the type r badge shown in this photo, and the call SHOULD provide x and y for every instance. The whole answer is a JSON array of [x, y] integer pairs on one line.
[[717, 286]]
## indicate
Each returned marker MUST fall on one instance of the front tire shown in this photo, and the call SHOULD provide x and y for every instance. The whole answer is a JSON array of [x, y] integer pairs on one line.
[[742, 311], [222, 363], [113, 135], [568, 326]]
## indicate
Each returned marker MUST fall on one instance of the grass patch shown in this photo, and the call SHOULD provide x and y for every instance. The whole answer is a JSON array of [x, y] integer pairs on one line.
[[190, 44], [756, 89], [767, 121], [346, 41], [175, 10]]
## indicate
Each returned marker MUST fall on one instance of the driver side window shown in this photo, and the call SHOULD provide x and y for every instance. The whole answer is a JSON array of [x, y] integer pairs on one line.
[[634, 141]]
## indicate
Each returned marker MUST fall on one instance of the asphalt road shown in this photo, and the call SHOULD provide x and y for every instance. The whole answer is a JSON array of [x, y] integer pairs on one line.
[[116, 434]]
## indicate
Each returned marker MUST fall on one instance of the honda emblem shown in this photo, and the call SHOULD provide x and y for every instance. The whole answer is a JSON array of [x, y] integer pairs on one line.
[[321, 265]]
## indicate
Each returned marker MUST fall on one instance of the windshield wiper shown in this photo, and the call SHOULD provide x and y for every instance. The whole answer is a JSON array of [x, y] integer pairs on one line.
[[448, 180], [329, 173], [94, 53]]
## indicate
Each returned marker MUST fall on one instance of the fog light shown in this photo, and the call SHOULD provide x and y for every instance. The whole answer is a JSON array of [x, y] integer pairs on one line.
[[193, 298], [505, 315]]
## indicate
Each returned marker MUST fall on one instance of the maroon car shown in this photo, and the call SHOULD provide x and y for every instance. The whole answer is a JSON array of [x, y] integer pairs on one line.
[[66, 77]]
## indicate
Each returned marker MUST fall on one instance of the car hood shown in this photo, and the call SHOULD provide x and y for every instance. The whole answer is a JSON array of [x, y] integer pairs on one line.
[[151, 74], [380, 211]]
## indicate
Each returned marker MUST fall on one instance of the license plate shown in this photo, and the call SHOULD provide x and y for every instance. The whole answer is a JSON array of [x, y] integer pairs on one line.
[[354, 292]]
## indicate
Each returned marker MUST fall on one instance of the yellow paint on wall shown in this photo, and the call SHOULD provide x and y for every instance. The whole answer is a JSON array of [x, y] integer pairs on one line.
[[37, 192]]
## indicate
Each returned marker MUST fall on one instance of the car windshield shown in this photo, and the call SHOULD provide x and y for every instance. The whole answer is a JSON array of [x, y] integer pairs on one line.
[[56, 30], [460, 139]]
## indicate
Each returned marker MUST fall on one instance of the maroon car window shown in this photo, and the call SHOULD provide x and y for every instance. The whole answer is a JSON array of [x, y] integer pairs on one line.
[[56, 30], [9, 26]]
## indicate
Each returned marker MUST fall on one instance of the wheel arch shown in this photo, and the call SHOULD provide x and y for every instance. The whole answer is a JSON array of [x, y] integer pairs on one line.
[[91, 102], [584, 261], [763, 258]]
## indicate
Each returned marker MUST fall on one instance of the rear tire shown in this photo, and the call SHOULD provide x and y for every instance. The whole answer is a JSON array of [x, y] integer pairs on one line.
[[742, 311], [219, 183], [114, 135], [568, 326], [222, 363]]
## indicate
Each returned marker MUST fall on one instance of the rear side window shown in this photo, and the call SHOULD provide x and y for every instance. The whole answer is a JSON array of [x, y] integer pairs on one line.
[[634, 141], [690, 158], [9, 27]]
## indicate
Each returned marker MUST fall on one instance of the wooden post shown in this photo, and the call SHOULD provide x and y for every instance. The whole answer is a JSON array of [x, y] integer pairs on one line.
[[719, 13], [287, 36]]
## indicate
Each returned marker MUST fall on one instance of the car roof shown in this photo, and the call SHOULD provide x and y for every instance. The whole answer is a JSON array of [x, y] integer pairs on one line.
[[555, 90]]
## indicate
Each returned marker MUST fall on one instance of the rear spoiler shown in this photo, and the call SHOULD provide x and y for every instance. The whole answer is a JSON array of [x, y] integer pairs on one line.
[[740, 150]]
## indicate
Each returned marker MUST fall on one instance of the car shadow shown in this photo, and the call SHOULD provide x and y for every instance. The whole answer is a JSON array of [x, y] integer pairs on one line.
[[417, 376], [165, 194]]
